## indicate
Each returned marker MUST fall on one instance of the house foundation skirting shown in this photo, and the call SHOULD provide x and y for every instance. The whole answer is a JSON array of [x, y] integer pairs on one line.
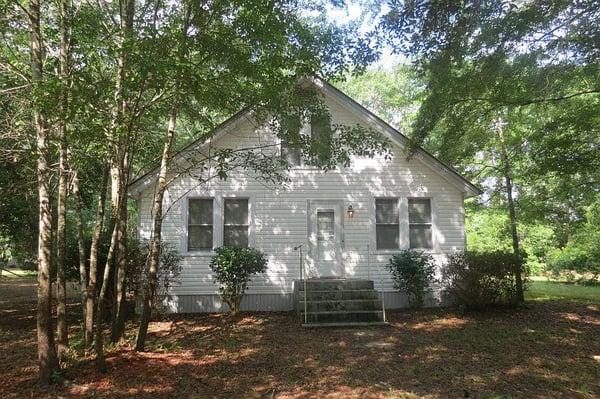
[[281, 302]]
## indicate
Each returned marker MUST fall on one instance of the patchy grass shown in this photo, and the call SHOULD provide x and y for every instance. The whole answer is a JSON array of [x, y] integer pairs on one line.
[[548, 349], [553, 290]]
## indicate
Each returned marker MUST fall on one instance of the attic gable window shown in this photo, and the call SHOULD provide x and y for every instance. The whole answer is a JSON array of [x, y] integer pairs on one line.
[[320, 134], [419, 223], [291, 125], [200, 224], [291, 153]]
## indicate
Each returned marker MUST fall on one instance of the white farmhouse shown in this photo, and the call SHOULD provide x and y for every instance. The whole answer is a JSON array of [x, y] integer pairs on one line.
[[338, 228]]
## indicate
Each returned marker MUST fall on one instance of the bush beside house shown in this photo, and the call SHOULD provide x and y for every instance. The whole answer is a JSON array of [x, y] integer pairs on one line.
[[476, 280], [412, 272], [233, 267]]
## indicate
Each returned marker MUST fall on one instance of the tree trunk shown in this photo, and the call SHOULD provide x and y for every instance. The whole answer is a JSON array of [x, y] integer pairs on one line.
[[152, 262], [102, 302], [83, 276], [114, 225], [121, 261], [115, 214], [511, 212], [48, 361], [61, 308], [117, 148], [90, 301], [61, 248], [154, 253]]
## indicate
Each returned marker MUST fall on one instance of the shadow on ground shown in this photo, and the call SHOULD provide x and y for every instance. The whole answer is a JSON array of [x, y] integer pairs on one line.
[[544, 351]]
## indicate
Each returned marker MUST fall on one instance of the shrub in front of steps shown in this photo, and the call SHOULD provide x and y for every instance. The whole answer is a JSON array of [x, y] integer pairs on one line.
[[233, 267], [412, 272]]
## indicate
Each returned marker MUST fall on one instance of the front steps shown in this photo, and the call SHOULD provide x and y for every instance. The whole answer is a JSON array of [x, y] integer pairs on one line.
[[339, 302]]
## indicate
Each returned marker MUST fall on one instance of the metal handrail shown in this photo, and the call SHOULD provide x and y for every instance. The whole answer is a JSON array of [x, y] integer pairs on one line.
[[303, 279], [380, 282]]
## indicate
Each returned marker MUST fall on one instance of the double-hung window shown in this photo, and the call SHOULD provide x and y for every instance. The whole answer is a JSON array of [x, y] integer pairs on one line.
[[290, 146], [291, 153], [419, 223], [236, 223], [320, 134], [200, 224], [387, 223]]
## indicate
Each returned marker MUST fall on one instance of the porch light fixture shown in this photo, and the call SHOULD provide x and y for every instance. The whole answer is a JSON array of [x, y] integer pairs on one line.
[[350, 212]]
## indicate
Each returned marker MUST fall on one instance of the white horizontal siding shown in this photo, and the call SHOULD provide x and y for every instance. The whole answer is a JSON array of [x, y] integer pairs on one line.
[[279, 214]]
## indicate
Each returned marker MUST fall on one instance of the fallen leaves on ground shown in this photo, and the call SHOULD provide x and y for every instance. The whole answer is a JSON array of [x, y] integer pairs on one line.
[[546, 350]]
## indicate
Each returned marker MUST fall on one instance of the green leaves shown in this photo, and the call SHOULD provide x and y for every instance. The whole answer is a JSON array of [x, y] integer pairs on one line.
[[477, 280], [490, 56], [233, 268], [413, 272], [532, 64]]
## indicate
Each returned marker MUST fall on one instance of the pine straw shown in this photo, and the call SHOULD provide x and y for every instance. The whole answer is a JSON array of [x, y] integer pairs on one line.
[[547, 350]]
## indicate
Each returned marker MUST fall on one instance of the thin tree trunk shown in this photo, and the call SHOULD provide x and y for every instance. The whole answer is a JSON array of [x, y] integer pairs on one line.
[[61, 248], [152, 262], [154, 254], [83, 277], [90, 301], [61, 308], [48, 361], [512, 213], [121, 261], [115, 200], [102, 303], [117, 144]]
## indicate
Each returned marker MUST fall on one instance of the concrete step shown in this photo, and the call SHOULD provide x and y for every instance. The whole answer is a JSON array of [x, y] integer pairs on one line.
[[339, 295], [347, 305], [336, 284], [343, 316]]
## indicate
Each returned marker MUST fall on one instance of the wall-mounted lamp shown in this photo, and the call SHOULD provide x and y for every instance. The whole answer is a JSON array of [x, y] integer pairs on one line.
[[350, 212]]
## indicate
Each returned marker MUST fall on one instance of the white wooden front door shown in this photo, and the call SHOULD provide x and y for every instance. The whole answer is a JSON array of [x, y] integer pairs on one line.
[[325, 237]]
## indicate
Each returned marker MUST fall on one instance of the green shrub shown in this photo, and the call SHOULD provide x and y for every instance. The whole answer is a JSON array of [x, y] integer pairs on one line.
[[169, 267], [412, 272], [233, 268], [476, 280]]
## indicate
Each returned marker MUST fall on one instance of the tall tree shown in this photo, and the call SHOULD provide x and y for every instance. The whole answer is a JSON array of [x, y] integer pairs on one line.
[[117, 144], [83, 272], [483, 59], [157, 208], [61, 224], [90, 308], [48, 361], [510, 202]]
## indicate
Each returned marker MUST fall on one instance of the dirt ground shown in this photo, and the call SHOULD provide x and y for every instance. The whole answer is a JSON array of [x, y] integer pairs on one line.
[[547, 350]]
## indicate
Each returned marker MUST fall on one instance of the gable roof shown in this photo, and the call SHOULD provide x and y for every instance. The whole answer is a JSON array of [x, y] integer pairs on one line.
[[369, 118]]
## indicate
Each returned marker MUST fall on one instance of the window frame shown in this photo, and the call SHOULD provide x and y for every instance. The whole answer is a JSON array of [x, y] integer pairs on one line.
[[305, 130], [222, 218], [313, 125], [404, 227], [285, 146], [398, 224], [430, 224], [186, 242], [218, 222]]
